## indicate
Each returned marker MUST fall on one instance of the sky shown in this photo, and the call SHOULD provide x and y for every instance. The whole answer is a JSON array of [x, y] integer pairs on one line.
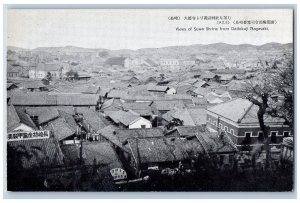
[[139, 28]]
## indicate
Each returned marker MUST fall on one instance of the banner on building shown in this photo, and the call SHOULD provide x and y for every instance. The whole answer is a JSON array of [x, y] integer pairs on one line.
[[16, 136]]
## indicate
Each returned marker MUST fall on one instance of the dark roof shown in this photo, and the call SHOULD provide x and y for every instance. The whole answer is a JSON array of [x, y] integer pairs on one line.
[[41, 152], [190, 117], [60, 128], [213, 143], [186, 131], [124, 117], [142, 108], [125, 134], [10, 85], [201, 91], [16, 116], [168, 105], [38, 110], [109, 133], [115, 61], [111, 104], [161, 149], [92, 118], [99, 153], [157, 88], [43, 99], [34, 99], [69, 119], [13, 119], [47, 115], [208, 75], [35, 84], [229, 71], [77, 100], [116, 94]]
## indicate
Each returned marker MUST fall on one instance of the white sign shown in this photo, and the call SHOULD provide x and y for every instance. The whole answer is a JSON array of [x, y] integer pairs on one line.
[[118, 174], [41, 134]]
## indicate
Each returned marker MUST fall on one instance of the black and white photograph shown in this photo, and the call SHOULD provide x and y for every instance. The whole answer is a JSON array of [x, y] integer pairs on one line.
[[140, 100]]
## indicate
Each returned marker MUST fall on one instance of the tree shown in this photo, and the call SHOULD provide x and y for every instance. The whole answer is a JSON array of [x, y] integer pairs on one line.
[[272, 80], [48, 76], [72, 74]]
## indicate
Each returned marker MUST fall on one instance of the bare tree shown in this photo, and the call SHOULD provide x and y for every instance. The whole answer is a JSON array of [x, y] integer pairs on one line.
[[273, 81]]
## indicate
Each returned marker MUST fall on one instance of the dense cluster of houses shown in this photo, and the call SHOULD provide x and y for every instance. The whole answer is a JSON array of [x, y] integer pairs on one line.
[[132, 122]]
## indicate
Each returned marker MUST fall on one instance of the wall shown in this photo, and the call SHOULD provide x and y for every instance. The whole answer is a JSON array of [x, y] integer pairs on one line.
[[138, 123], [237, 133], [24, 128]]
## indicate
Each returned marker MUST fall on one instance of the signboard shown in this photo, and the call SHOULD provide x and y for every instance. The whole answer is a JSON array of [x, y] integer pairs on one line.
[[41, 134], [118, 173]]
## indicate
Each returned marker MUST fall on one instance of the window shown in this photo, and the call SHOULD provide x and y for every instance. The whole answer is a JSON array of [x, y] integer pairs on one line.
[[231, 131], [286, 133], [248, 134], [215, 123], [143, 126], [273, 135], [220, 125], [225, 128]]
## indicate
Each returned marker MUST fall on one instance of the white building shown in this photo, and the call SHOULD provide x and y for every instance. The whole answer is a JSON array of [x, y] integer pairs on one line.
[[140, 123], [43, 69]]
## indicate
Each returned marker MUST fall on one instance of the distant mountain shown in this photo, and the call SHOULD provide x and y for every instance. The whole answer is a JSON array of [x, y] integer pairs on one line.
[[171, 51]]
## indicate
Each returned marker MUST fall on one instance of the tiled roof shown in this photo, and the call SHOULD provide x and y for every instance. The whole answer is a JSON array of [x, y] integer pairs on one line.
[[157, 88], [60, 128], [92, 118], [36, 111], [111, 104], [142, 108], [200, 84], [161, 149], [22, 116], [125, 134], [229, 71], [77, 100], [116, 94], [35, 84], [41, 152], [47, 115], [168, 105], [201, 91], [240, 111], [124, 117], [208, 75], [109, 133], [99, 153], [34, 99], [213, 143]]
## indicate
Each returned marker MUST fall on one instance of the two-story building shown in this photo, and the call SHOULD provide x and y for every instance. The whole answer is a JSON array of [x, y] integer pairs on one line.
[[43, 69], [238, 118]]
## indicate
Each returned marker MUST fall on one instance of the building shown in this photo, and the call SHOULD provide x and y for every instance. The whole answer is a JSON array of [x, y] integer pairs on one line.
[[12, 71], [115, 61], [188, 116], [169, 62], [44, 69], [238, 119], [18, 120], [128, 119], [218, 146]]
